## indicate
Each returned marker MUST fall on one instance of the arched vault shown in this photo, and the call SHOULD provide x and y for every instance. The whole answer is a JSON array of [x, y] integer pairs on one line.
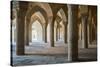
[[34, 10], [38, 16], [44, 8], [61, 14]]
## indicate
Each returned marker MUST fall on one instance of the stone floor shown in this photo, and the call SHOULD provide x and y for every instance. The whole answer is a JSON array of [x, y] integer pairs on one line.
[[42, 53]]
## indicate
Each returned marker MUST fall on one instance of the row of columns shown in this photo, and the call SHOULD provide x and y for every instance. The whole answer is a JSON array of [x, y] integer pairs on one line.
[[72, 27], [84, 34], [44, 31], [87, 34], [72, 33], [58, 33]]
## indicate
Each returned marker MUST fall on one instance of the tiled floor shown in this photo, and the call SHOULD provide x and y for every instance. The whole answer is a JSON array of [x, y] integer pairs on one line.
[[40, 54]]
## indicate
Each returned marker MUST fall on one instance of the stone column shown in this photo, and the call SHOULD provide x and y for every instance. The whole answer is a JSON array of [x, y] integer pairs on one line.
[[20, 32], [72, 33], [93, 30], [30, 33], [20, 25], [65, 33], [45, 34], [57, 34], [26, 34], [89, 33], [89, 28], [80, 31], [84, 32], [52, 33]]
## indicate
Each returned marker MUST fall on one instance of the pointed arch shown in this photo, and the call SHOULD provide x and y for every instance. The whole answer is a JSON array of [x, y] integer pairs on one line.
[[37, 16], [62, 25], [62, 14], [36, 9]]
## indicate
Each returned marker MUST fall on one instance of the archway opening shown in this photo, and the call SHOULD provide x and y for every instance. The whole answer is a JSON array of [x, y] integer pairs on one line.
[[61, 30], [61, 20], [36, 31]]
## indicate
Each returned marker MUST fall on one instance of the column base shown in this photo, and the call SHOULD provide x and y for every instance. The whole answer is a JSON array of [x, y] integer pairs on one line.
[[20, 54], [27, 44], [83, 46], [73, 59], [45, 41], [52, 45], [20, 51], [65, 42]]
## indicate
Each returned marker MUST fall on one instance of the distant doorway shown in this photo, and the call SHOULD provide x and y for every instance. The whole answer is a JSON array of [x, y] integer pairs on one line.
[[36, 32]]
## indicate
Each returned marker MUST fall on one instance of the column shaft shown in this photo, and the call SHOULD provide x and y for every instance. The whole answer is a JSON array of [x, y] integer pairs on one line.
[[27, 34], [84, 30], [65, 34], [59, 33], [89, 34], [20, 33], [30, 34], [93, 30], [45, 34], [56, 34], [72, 33], [89, 27], [52, 34]]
